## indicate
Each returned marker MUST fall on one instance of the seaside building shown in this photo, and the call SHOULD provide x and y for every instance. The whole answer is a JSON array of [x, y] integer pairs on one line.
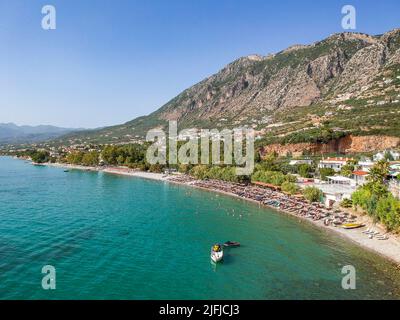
[[332, 197], [394, 174], [394, 188], [334, 163], [340, 180], [333, 193], [394, 166], [335, 190], [300, 161], [360, 177], [338, 190], [54, 154], [365, 165], [381, 155]]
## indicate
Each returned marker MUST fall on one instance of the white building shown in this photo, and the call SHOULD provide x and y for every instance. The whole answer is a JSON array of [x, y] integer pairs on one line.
[[335, 191], [365, 165], [301, 161], [333, 163], [360, 177], [338, 188], [381, 155], [340, 180], [395, 167], [394, 188], [330, 198]]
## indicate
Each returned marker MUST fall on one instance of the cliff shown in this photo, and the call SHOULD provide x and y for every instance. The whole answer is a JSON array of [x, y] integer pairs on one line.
[[345, 145]]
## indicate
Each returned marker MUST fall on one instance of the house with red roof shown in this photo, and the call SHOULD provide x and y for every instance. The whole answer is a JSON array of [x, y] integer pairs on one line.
[[360, 177]]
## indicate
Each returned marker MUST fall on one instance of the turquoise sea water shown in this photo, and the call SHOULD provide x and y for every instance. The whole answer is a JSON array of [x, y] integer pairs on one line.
[[114, 237]]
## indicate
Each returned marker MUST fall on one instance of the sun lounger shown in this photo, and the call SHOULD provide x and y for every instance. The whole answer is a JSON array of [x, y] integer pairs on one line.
[[385, 237], [367, 231]]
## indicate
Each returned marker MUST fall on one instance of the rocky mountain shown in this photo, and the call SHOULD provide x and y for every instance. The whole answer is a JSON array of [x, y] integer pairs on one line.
[[349, 82], [10, 133]]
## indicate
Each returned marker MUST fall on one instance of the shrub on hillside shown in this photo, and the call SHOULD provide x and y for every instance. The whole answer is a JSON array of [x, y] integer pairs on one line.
[[290, 187], [312, 194]]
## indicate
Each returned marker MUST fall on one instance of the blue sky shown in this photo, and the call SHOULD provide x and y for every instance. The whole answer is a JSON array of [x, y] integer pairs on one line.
[[111, 61]]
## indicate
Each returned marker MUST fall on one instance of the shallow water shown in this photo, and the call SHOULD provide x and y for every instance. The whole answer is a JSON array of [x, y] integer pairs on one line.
[[115, 237]]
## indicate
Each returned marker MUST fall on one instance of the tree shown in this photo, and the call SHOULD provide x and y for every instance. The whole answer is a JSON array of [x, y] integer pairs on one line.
[[184, 168], [312, 194], [285, 168], [290, 187], [347, 170], [109, 154], [379, 171], [346, 203], [305, 170], [269, 161], [257, 156], [379, 203], [377, 189], [75, 157], [199, 172], [326, 172], [158, 168], [388, 156], [40, 156], [90, 158], [388, 212], [360, 197], [273, 177], [120, 159], [290, 178]]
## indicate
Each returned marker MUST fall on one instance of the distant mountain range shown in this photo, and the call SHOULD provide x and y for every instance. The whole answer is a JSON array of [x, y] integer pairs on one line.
[[11, 133], [348, 82]]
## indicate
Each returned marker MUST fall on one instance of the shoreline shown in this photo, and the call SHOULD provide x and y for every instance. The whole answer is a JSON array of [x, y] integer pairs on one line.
[[112, 170], [389, 249]]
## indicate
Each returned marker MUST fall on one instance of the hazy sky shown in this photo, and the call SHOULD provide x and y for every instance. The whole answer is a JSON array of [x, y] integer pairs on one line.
[[108, 62]]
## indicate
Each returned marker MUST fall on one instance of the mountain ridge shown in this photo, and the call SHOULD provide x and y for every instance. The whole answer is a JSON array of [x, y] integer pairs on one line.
[[10, 133], [340, 70]]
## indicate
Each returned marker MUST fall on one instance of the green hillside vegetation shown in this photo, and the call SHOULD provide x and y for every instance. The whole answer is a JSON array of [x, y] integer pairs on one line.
[[374, 198], [39, 156]]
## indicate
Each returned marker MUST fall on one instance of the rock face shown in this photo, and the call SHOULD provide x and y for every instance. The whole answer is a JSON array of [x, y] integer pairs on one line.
[[361, 144], [348, 144], [298, 76], [363, 66]]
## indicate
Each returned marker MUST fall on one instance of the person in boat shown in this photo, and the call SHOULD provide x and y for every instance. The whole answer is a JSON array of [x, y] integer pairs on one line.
[[217, 248]]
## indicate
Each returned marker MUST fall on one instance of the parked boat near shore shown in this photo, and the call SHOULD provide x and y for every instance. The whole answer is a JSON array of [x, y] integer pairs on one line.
[[353, 225]]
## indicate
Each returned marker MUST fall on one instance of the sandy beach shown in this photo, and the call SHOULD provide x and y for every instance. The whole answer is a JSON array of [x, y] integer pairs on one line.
[[113, 170], [139, 174], [389, 248]]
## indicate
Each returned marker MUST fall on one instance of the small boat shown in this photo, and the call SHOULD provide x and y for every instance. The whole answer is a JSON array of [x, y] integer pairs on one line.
[[230, 244], [217, 253], [352, 225], [66, 170]]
